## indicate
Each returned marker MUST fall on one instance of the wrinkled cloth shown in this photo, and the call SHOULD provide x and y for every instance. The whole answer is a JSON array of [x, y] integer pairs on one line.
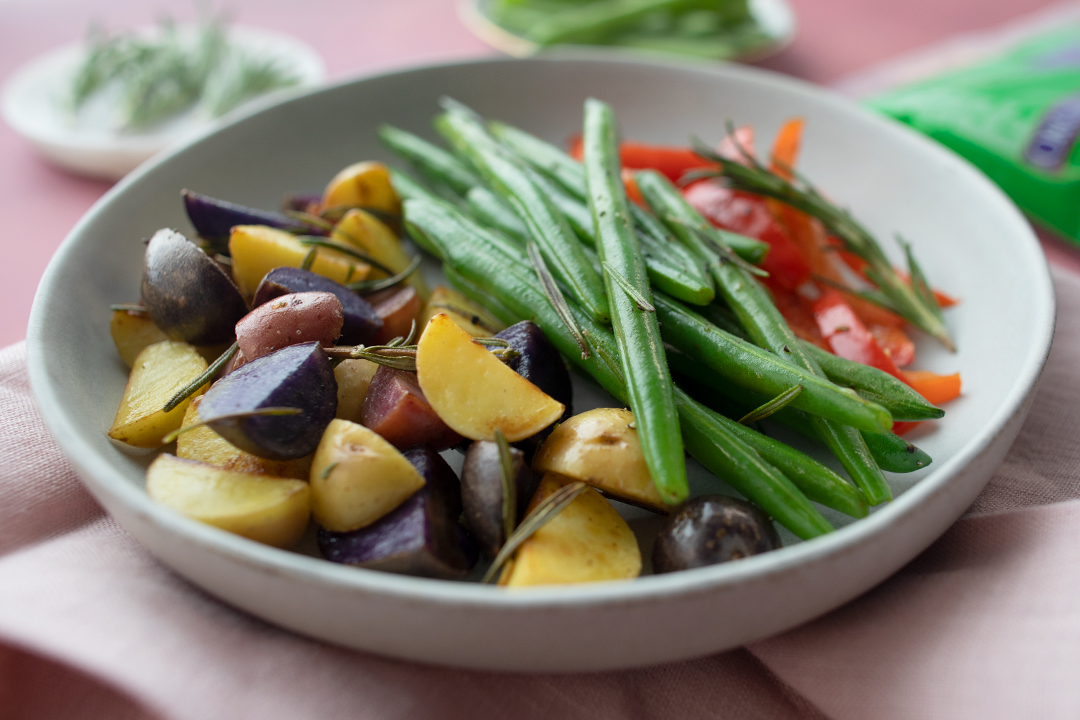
[[984, 624]]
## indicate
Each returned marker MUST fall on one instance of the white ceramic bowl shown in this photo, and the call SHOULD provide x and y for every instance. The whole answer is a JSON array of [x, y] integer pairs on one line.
[[971, 239]]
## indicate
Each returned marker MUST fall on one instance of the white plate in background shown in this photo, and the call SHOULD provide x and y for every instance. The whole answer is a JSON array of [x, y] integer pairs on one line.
[[33, 100]]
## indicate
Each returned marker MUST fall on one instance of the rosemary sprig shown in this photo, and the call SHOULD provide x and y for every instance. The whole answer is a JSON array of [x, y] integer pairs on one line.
[[541, 515], [778, 403], [309, 259], [916, 305], [640, 300], [244, 78], [320, 241], [370, 286], [509, 487], [207, 375], [261, 412], [312, 220], [726, 253], [556, 298], [395, 356], [499, 348]]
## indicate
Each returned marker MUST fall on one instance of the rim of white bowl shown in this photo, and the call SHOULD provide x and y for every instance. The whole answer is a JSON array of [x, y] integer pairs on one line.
[[98, 473]]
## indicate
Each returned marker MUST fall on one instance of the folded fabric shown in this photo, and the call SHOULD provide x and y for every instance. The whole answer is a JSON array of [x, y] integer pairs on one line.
[[985, 624]]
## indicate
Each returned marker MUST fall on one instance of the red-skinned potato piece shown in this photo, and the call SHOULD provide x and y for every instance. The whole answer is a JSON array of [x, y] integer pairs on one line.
[[396, 408], [397, 308], [290, 320]]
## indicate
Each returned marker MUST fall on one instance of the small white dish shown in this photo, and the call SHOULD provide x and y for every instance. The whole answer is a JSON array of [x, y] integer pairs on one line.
[[969, 237], [774, 18], [32, 103]]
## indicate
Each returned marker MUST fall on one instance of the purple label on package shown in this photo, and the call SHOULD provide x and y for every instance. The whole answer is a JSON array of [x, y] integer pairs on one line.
[[1056, 135]]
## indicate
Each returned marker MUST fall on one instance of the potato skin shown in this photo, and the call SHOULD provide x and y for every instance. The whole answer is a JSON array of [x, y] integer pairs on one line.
[[361, 323], [482, 492], [395, 407], [420, 537], [397, 309], [712, 529], [299, 376], [290, 320], [186, 293]]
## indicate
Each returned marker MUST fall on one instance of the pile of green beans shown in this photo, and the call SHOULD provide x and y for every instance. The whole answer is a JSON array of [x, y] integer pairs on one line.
[[501, 189]]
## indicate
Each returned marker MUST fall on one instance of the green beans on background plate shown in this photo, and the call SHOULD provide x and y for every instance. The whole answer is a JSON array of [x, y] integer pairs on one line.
[[557, 242], [637, 334], [512, 292], [757, 314]]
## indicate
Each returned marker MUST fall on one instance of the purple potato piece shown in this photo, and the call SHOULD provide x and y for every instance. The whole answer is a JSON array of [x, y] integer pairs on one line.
[[420, 537], [712, 529], [362, 323], [187, 294], [214, 219], [482, 492], [539, 363], [298, 376]]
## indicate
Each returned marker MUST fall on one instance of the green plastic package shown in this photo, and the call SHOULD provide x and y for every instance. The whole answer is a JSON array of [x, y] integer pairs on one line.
[[1016, 117]]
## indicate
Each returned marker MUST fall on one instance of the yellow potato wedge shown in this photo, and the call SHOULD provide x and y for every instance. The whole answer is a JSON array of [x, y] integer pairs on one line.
[[466, 314], [204, 445], [368, 234], [363, 184], [353, 378], [257, 249], [159, 372], [132, 332], [599, 447], [357, 477], [267, 509], [473, 391], [587, 542]]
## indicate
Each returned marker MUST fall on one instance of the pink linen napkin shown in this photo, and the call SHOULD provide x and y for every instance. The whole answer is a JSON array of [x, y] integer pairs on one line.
[[985, 624]]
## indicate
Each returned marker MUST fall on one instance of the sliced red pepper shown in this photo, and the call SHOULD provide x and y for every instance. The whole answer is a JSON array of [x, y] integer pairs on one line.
[[786, 148], [846, 334], [798, 314], [895, 342], [632, 191], [743, 138], [904, 426], [674, 162], [748, 215], [937, 389]]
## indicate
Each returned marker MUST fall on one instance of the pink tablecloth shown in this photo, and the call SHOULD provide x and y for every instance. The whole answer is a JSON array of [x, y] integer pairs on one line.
[[985, 624]]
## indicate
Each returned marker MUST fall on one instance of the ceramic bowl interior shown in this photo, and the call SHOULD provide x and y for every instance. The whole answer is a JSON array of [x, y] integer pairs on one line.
[[970, 238]]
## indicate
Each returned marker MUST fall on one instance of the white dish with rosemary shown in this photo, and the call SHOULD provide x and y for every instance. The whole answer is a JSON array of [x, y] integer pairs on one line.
[[102, 106], [418, 475]]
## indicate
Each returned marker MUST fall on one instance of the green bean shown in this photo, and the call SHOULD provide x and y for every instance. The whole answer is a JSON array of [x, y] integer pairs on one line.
[[681, 280], [764, 324], [890, 451], [431, 160], [567, 172], [490, 210], [513, 294], [637, 335], [547, 226], [899, 398], [755, 368], [429, 211]]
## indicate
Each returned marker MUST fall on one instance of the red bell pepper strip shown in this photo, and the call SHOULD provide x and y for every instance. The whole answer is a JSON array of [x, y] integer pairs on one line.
[[902, 427], [674, 162], [798, 313], [786, 148], [846, 334], [630, 184], [895, 342], [935, 388], [748, 215]]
